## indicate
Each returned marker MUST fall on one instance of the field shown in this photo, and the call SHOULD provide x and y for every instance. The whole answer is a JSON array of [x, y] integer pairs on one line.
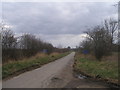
[[20, 66], [106, 69]]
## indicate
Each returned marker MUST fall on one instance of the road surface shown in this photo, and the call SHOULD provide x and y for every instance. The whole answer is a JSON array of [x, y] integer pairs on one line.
[[56, 74]]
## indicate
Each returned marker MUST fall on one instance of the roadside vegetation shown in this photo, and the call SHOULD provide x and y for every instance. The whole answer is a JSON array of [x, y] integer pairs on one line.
[[15, 67], [106, 69], [97, 55]]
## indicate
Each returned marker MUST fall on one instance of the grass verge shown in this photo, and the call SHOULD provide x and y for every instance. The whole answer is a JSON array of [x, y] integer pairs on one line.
[[14, 68], [106, 70]]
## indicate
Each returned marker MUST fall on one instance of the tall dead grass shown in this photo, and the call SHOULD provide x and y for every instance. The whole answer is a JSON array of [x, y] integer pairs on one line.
[[37, 56], [113, 57]]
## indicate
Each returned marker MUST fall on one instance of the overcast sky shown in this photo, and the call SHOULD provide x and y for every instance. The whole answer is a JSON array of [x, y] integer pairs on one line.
[[58, 23]]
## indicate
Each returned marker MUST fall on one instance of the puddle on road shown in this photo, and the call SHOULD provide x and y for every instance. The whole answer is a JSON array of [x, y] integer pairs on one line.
[[80, 76], [55, 79], [56, 82]]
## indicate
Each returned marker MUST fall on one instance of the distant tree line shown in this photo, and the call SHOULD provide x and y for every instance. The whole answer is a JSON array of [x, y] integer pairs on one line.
[[26, 45], [102, 39]]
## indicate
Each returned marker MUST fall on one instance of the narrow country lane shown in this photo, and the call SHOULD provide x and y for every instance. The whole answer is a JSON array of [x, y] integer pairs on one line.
[[40, 77], [57, 74]]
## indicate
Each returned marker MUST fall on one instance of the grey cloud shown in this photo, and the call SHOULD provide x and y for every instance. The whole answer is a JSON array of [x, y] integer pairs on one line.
[[55, 18]]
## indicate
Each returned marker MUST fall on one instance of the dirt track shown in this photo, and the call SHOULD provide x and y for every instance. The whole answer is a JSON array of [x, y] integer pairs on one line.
[[57, 74]]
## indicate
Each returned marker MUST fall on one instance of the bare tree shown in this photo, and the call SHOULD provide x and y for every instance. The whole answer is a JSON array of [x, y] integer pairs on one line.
[[8, 39], [101, 41], [86, 45], [111, 26], [9, 43]]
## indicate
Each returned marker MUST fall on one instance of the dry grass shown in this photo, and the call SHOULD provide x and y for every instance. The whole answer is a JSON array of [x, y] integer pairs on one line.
[[113, 57], [54, 54], [38, 55], [88, 56]]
